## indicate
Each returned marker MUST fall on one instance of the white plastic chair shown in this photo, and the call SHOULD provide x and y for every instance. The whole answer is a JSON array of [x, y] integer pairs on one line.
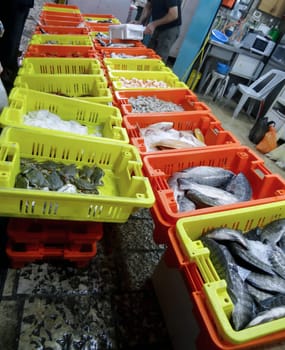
[[257, 91]]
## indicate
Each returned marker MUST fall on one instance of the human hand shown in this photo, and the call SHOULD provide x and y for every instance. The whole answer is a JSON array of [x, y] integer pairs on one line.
[[150, 28]]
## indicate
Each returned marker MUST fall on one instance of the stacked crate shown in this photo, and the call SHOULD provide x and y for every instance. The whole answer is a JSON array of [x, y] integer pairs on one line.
[[63, 75]]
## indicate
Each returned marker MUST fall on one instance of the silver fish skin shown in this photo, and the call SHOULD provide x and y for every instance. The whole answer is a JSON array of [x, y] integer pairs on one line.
[[227, 269], [258, 295], [209, 196], [277, 260], [173, 184], [240, 187], [253, 234], [268, 283], [266, 316], [273, 232], [228, 234], [272, 301], [185, 204], [249, 257], [208, 175]]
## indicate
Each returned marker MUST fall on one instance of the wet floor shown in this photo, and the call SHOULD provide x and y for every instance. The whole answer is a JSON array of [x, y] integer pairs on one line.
[[111, 304]]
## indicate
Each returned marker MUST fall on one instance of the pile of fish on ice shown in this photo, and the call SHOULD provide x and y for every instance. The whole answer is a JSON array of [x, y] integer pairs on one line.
[[253, 265], [208, 186]]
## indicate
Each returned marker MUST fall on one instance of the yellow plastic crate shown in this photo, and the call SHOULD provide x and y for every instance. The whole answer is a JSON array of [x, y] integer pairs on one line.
[[189, 230], [136, 65], [107, 119], [61, 39], [124, 191], [169, 78], [53, 65], [61, 8], [100, 19], [92, 88]]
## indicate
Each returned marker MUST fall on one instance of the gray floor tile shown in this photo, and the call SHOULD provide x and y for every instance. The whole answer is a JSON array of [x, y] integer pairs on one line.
[[9, 312]]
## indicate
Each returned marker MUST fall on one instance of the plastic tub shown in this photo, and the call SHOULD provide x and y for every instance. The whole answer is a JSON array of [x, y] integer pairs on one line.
[[218, 36], [124, 191]]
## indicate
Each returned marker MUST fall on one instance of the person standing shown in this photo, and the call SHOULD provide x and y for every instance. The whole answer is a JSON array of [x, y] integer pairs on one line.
[[164, 26], [13, 14]]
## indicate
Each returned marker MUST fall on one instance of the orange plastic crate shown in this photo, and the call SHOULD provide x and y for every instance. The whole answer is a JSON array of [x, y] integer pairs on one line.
[[60, 51], [60, 30], [51, 21], [209, 338], [212, 130], [266, 187], [61, 16], [36, 231], [135, 43], [20, 254], [137, 51], [183, 97]]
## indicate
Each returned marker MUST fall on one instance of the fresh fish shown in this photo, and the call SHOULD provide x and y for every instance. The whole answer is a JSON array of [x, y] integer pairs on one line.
[[240, 187], [258, 295], [54, 181], [273, 301], [268, 283], [277, 260], [273, 232], [208, 175], [253, 234], [173, 184], [147, 104], [211, 196], [251, 257], [185, 204], [227, 269], [228, 234], [266, 316]]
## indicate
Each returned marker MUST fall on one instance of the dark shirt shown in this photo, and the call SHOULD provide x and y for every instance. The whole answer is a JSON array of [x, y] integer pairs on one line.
[[160, 9]]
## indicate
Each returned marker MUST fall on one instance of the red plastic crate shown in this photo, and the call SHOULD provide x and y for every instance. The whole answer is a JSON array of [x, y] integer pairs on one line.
[[37, 231], [60, 30], [212, 130], [266, 187], [19, 254], [137, 51], [60, 51]]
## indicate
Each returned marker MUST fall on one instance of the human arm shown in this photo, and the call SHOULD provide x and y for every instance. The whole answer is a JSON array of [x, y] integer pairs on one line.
[[171, 16], [146, 13]]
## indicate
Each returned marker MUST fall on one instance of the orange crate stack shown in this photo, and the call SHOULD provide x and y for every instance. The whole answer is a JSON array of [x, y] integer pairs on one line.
[[39, 240]]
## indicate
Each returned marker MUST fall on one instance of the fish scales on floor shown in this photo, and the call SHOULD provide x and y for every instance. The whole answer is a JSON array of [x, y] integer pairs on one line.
[[208, 186], [252, 264]]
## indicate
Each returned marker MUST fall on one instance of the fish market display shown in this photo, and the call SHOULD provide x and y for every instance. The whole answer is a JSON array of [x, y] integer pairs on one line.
[[253, 270], [146, 104], [140, 83], [47, 120], [209, 186], [124, 55], [159, 136], [53, 176]]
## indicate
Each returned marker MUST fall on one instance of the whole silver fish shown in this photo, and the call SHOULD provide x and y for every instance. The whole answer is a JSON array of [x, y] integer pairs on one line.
[[250, 258], [277, 260], [211, 196], [273, 232], [227, 269], [185, 204], [266, 316], [240, 187], [208, 175], [258, 295], [269, 283], [273, 301], [228, 234]]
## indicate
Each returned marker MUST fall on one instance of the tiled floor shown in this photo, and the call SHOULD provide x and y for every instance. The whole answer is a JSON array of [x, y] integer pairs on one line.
[[109, 305]]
